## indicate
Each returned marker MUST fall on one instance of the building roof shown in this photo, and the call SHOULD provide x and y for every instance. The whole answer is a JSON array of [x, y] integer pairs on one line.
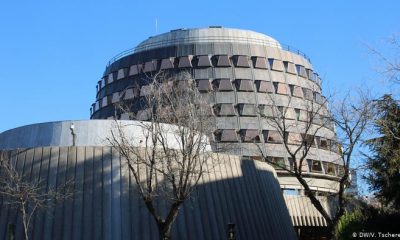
[[212, 34]]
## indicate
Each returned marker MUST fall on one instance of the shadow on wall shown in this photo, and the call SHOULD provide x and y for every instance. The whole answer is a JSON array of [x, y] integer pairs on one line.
[[105, 204]]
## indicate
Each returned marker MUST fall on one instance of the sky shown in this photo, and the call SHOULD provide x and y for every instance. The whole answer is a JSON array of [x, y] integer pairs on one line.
[[52, 53]]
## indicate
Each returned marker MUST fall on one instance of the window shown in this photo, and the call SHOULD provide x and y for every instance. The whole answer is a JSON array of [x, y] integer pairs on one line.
[[291, 164], [297, 92], [245, 109], [167, 63], [301, 71], [104, 101], [97, 106], [291, 88], [125, 116], [264, 86], [304, 116], [329, 168], [308, 140], [289, 67], [340, 170], [260, 62], [115, 97], [289, 113], [223, 61], [204, 61], [244, 85], [271, 136], [266, 111], [185, 62], [289, 191], [277, 162], [314, 165], [121, 74], [129, 94], [281, 88], [310, 74], [317, 79], [226, 135], [308, 94], [150, 66], [223, 85], [110, 78], [224, 109], [335, 147], [241, 61], [275, 64], [250, 135], [204, 85], [318, 98], [324, 143], [133, 70], [297, 113]]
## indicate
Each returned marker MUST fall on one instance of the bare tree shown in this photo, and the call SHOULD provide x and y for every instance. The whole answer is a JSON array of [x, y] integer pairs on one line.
[[169, 160], [297, 131], [352, 118], [390, 65], [28, 197]]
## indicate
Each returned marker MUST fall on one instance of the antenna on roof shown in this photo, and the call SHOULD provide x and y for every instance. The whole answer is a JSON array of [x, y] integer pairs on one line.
[[156, 26]]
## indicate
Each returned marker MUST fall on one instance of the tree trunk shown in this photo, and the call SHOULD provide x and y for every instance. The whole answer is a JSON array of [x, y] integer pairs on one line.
[[164, 227], [164, 231], [317, 204], [25, 221]]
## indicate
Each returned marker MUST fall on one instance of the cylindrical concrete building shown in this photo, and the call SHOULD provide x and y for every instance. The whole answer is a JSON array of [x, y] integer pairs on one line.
[[106, 204], [246, 74]]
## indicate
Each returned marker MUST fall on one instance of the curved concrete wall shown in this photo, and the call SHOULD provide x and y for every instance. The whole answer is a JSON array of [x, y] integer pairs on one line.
[[87, 133], [105, 204]]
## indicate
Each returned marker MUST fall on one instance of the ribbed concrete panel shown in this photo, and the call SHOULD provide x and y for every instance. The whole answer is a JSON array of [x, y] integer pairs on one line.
[[303, 212], [105, 204]]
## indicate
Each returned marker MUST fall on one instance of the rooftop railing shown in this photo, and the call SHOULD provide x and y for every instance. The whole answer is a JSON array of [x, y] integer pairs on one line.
[[186, 40]]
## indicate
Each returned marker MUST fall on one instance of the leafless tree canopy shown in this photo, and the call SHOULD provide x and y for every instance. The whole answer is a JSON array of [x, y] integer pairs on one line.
[[297, 137], [351, 119], [168, 162], [389, 65]]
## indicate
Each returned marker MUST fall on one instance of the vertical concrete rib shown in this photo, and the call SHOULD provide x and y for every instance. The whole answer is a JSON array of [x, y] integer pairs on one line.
[[97, 193], [88, 201], [69, 203], [41, 172], [106, 208], [115, 195], [78, 199]]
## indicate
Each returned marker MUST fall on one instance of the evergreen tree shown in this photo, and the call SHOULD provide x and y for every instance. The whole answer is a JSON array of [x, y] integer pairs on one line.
[[384, 162]]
